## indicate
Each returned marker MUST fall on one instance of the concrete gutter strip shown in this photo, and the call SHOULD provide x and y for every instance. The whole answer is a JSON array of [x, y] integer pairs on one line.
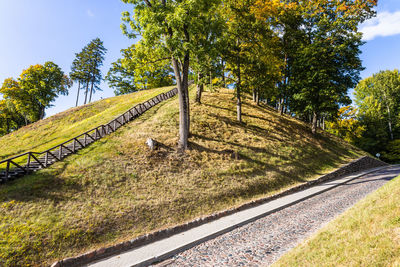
[[167, 247]]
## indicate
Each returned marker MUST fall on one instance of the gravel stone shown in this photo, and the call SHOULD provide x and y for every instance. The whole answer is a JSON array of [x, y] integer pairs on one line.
[[263, 241]]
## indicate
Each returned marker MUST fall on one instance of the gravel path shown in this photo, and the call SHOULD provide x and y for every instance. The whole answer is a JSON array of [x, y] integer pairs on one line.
[[262, 242]]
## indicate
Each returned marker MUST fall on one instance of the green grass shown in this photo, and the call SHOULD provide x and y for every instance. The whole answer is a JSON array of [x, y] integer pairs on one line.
[[368, 234], [51, 131], [117, 189]]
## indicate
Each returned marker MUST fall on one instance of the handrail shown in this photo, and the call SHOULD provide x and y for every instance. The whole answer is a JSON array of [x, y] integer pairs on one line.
[[99, 132]]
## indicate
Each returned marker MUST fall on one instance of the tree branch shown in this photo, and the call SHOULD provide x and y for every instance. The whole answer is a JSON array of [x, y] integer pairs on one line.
[[148, 3]]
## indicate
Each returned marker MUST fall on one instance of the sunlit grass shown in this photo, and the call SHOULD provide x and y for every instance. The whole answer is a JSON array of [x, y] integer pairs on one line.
[[117, 189], [368, 234], [51, 131]]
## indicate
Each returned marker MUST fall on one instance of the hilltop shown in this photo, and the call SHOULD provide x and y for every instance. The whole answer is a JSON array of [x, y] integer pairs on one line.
[[53, 130], [117, 189]]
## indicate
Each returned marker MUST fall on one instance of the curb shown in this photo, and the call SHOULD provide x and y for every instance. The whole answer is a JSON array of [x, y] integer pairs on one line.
[[357, 165]]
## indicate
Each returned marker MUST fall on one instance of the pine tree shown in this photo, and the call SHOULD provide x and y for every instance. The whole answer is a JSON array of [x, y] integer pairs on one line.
[[86, 68]]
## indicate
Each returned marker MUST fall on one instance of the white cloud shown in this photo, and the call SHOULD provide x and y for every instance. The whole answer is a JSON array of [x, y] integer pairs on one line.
[[384, 24], [90, 13]]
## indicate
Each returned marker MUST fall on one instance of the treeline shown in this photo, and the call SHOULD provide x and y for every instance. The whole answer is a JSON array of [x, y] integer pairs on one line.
[[374, 124], [300, 56], [25, 99]]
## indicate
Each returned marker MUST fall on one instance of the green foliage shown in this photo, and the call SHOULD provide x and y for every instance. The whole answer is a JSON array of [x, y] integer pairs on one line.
[[169, 30], [378, 99], [327, 62], [10, 120], [392, 152], [132, 72], [346, 125], [36, 88], [86, 67], [319, 45]]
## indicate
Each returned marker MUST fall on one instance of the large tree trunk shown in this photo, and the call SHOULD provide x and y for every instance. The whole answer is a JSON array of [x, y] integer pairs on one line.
[[77, 96], [200, 88], [182, 85], [41, 112], [314, 123], [254, 95]]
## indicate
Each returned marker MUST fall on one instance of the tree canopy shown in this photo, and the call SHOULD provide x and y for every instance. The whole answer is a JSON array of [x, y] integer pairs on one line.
[[85, 68], [133, 72], [302, 56], [35, 90]]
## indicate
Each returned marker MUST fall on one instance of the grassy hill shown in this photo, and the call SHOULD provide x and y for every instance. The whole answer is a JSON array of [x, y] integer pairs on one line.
[[368, 234], [51, 131], [117, 189]]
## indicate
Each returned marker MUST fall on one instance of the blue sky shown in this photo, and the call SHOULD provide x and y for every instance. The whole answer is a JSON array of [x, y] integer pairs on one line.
[[36, 31], [33, 32]]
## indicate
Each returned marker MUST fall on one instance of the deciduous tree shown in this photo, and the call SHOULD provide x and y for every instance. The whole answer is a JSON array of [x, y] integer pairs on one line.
[[170, 27]]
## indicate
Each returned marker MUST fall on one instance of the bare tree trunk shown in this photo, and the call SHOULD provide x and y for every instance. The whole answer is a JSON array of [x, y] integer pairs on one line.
[[91, 91], [254, 95], [281, 106], [41, 112], [258, 97], [389, 117], [77, 97], [200, 88], [223, 74], [211, 83], [8, 125], [314, 123], [390, 122], [182, 84], [239, 101], [187, 97], [86, 92], [390, 129]]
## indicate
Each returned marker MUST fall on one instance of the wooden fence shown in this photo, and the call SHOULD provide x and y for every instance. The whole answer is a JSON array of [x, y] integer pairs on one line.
[[11, 169]]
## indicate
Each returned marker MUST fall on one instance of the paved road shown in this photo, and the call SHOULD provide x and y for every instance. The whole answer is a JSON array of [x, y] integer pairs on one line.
[[263, 241]]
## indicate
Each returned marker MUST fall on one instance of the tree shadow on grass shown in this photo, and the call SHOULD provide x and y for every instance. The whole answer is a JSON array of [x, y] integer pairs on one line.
[[44, 184], [39, 185]]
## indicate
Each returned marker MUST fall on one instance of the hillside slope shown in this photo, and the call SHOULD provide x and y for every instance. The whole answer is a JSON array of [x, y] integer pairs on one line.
[[117, 189], [51, 131]]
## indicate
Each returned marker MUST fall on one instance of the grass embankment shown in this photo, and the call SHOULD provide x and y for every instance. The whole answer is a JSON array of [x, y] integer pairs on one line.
[[117, 189], [56, 129], [368, 234]]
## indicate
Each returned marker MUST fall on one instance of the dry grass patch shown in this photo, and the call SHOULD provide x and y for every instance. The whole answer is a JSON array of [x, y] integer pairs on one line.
[[368, 234], [117, 189]]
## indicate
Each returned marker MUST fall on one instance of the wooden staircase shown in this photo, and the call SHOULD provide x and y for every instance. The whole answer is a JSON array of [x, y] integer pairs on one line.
[[28, 162]]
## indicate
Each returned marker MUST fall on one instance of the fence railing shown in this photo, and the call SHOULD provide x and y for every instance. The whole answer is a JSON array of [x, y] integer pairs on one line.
[[11, 168]]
